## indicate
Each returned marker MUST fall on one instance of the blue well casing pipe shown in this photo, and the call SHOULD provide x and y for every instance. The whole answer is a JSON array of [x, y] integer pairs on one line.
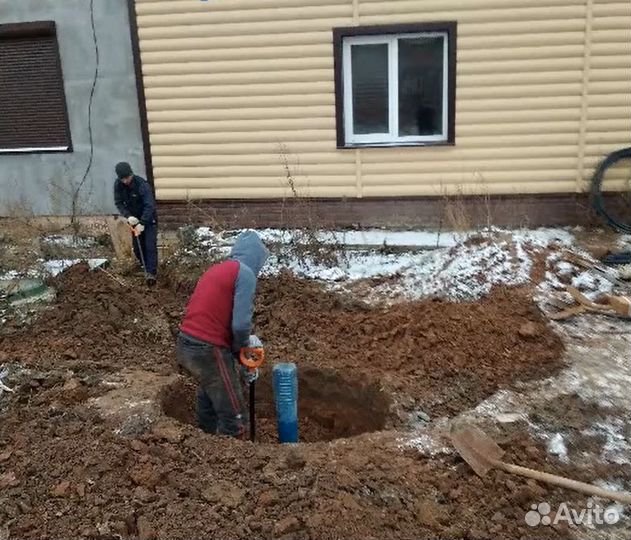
[[285, 381]]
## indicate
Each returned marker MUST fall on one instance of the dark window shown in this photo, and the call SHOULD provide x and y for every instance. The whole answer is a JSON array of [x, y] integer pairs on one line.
[[33, 114], [395, 84]]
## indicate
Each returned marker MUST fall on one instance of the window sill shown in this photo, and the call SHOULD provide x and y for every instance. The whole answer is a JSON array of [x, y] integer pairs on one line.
[[43, 150], [354, 146]]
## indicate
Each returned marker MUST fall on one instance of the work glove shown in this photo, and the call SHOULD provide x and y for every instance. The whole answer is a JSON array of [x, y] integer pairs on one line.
[[133, 221], [138, 229], [254, 342], [249, 375]]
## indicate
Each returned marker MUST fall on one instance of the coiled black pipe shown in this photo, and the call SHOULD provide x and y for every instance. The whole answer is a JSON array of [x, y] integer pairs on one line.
[[597, 199]]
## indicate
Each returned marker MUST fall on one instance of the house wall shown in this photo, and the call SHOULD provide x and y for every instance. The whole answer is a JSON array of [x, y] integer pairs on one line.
[[240, 96], [43, 183]]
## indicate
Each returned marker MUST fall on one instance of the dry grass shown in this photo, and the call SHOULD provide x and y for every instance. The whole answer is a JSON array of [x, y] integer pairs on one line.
[[464, 212], [304, 227], [457, 216]]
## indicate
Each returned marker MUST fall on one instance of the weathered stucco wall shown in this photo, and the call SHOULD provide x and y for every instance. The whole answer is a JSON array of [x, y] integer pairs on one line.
[[43, 183], [236, 87]]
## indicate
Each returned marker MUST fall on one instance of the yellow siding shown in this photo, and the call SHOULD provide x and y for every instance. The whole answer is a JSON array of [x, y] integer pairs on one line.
[[241, 91], [608, 95]]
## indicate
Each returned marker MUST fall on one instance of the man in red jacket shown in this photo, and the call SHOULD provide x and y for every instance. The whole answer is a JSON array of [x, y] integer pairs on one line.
[[216, 326]]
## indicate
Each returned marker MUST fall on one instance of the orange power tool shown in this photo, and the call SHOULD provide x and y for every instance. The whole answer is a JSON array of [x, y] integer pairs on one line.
[[252, 358]]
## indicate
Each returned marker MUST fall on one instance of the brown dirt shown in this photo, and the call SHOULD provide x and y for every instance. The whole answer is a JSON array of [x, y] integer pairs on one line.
[[329, 407], [71, 477], [539, 265], [99, 324], [64, 472], [446, 356]]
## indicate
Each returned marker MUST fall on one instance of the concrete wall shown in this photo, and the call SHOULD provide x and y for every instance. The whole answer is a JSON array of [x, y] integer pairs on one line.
[[42, 183]]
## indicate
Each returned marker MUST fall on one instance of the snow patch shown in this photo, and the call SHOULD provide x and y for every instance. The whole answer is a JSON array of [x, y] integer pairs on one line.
[[57, 266], [68, 240], [368, 237], [454, 266], [427, 444], [616, 448], [556, 447], [465, 271], [51, 268]]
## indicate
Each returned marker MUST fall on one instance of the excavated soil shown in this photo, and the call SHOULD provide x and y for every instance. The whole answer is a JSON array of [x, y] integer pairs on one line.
[[66, 471], [98, 325], [329, 406], [441, 356]]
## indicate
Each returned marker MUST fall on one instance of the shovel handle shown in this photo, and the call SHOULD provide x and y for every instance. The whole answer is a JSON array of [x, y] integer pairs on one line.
[[562, 481]]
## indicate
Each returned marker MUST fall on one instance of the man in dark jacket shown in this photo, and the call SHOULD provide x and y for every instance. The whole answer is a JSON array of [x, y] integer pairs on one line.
[[134, 200], [216, 326]]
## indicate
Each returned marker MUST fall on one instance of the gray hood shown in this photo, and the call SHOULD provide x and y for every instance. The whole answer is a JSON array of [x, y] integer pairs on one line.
[[250, 250]]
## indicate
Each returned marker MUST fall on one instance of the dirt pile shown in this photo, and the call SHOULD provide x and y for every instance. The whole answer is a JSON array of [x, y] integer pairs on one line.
[[96, 323], [67, 476], [64, 472], [441, 356], [446, 356]]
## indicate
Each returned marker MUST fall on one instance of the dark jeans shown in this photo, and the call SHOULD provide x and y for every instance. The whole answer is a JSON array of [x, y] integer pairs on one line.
[[149, 244], [220, 406]]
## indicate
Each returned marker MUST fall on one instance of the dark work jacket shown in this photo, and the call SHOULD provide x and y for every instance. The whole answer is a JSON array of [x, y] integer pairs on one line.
[[135, 200]]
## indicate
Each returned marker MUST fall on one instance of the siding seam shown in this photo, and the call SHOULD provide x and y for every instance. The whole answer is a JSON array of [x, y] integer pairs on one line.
[[359, 190], [580, 163], [358, 173]]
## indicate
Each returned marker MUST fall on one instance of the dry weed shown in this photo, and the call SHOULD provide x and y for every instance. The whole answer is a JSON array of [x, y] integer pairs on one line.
[[306, 237]]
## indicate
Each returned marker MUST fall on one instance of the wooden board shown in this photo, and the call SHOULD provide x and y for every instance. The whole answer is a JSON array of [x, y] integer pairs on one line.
[[121, 238]]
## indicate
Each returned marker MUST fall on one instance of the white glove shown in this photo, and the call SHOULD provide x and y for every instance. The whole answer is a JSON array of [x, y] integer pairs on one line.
[[249, 376], [254, 342], [138, 229], [133, 221]]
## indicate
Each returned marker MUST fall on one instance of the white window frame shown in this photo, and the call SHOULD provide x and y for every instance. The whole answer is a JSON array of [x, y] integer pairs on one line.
[[391, 138]]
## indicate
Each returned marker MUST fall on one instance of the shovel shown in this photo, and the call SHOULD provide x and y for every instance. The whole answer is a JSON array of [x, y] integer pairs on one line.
[[139, 246], [482, 453]]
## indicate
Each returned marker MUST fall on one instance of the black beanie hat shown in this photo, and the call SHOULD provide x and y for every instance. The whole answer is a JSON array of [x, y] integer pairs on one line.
[[123, 170]]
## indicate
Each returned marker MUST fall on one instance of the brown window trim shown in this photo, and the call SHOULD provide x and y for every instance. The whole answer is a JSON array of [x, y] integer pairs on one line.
[[451, 27], [40, 29]]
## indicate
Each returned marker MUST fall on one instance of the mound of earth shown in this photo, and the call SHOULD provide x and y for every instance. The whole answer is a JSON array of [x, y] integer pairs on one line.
[[446, 356], [97, 324], [66, 472]]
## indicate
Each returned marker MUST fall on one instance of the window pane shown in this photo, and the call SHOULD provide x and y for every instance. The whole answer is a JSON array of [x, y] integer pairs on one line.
[[421, 86], [370, 88]]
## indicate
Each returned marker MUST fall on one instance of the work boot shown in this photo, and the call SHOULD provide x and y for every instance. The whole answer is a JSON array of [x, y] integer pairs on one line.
[[151, 280]]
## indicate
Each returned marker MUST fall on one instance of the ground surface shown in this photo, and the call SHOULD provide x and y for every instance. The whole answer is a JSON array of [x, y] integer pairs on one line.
[[97, 441]]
